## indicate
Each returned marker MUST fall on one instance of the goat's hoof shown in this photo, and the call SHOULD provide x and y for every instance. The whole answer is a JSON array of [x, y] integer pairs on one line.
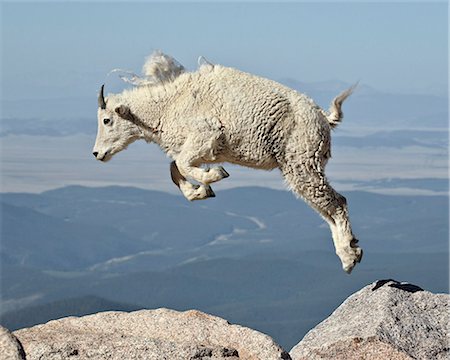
[[222, 172], [361, 253], [348, 269], [356, 256], [203, 192], [209, 192], [198, 192], [215, 174]]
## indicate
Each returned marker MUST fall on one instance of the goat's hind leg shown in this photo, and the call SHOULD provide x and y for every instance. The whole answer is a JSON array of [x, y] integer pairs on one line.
[[313, 187], [190, 191]]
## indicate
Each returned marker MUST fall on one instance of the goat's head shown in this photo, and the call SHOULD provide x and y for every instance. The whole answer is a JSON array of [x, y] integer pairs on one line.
[[116, 128]]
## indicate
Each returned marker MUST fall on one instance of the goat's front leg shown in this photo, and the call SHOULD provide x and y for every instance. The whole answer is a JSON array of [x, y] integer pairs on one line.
[[190, 191], [203, 176], [195, 152]]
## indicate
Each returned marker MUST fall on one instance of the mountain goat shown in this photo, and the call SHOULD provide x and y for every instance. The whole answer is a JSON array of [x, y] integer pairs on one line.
[[219, 114]]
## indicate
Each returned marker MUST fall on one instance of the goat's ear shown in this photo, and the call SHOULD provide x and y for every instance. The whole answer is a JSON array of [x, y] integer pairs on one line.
[[124, 112]]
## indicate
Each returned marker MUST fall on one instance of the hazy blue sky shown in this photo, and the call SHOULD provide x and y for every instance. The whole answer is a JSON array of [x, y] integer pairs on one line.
[[52, 50]]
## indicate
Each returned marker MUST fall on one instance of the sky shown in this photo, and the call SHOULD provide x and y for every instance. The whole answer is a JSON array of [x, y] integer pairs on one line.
[[61, 52], [53, 50]]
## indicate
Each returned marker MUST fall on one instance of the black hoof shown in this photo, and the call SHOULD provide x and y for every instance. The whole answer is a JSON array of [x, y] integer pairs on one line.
[[360, 256], [354, 242], [223, 172], [209, 192]]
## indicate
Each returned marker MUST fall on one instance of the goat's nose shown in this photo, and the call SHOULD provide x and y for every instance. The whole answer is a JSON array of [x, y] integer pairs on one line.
[[95, 153]]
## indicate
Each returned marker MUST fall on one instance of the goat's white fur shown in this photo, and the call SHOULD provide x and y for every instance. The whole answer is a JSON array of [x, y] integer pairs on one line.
[[219, 114]]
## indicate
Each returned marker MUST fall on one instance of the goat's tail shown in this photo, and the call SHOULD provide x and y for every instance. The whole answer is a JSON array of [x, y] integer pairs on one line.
[[335, 114]]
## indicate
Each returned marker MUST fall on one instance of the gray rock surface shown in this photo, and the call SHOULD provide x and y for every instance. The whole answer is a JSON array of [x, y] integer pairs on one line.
[[147, 334], [385, 320], [10, 347]]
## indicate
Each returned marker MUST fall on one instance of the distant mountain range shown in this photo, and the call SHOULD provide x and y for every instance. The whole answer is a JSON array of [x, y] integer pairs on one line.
[[115, 228], [255, 256]]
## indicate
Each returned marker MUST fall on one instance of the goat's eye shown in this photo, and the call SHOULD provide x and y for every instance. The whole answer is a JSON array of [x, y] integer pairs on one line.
[[106, 121]]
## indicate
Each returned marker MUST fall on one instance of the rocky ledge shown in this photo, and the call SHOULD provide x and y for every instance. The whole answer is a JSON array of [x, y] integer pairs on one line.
[[147, 334], [385, 320]]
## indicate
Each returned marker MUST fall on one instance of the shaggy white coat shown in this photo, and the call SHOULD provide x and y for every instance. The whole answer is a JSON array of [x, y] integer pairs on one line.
[[219, 114]]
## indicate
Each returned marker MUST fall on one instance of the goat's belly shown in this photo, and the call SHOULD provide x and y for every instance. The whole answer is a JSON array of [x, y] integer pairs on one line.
[[267, 164], [250, 157]]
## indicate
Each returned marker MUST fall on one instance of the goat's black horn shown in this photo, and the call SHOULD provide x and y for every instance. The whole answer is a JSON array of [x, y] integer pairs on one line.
[[101, 98]]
